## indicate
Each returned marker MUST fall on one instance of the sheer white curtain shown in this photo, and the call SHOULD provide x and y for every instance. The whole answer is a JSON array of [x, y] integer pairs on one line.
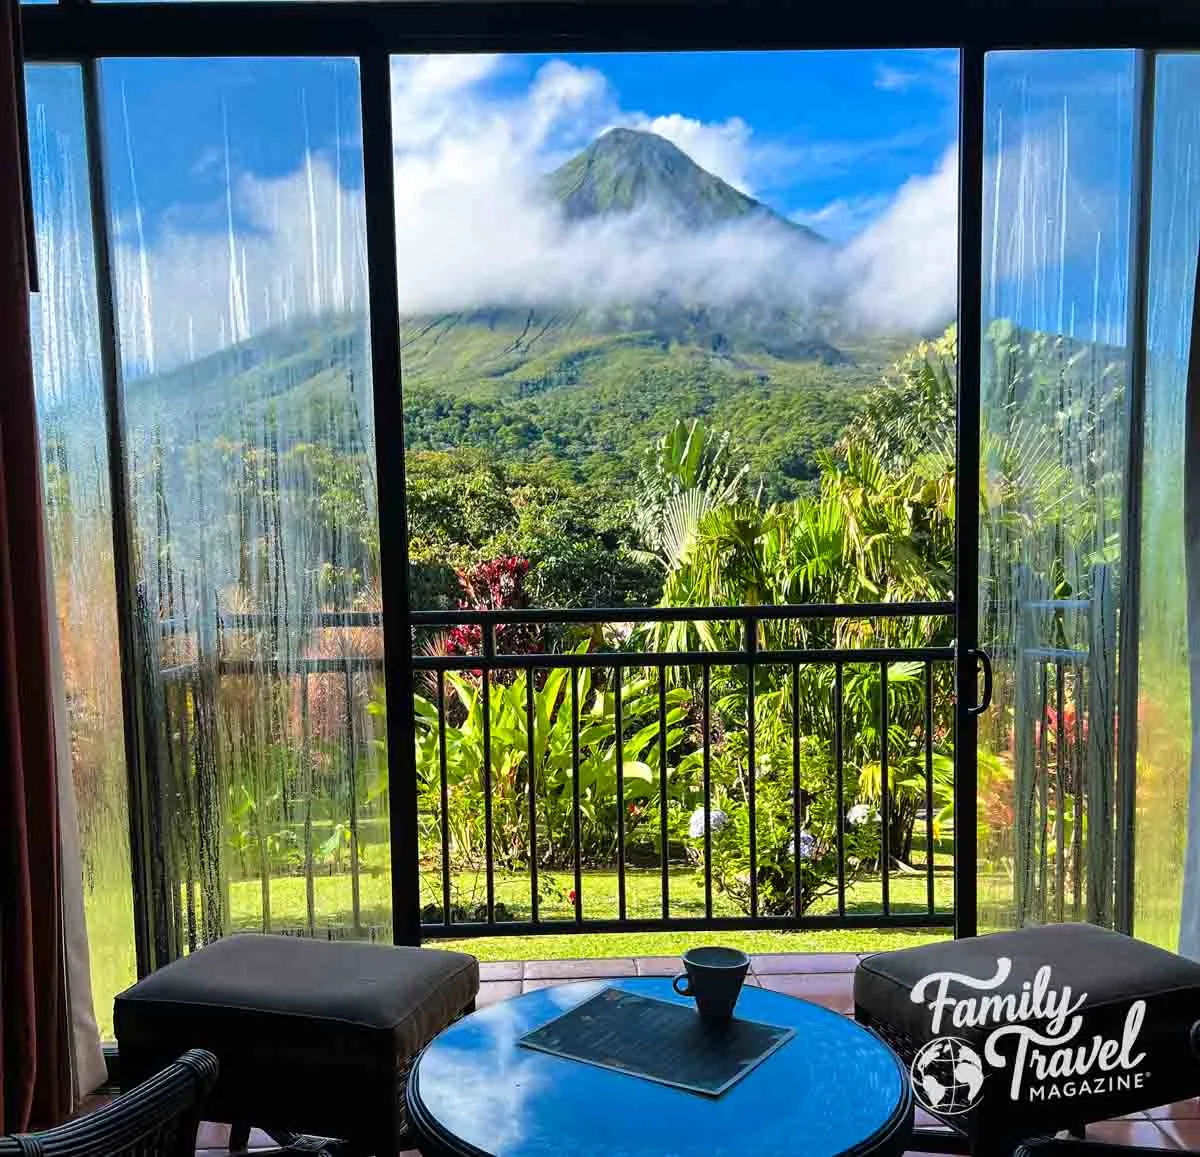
[[87, 1057]]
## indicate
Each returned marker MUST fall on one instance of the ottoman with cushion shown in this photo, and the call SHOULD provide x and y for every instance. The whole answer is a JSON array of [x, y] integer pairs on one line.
[[312, 1036], [1027, 1033]]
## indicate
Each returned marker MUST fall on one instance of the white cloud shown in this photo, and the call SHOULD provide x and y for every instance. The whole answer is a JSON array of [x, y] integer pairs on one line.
[[843, 217], [902, 271], [935, 71], [891, 79], [474, 228], [298, 252], [723, 148], [561, 90], [425, 89]]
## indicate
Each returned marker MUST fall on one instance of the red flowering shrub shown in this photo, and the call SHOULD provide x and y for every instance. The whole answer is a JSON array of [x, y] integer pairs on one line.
[[498, 584], [1074, 734]]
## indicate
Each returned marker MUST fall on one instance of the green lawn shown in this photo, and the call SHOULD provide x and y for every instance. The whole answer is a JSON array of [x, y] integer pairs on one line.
[[643, 896], [110, 916], [626, 944]]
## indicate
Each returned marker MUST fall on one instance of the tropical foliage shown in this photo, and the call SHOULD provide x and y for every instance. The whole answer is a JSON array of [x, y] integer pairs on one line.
[[841, 753], [779, 833], [295, 768], [547, 758]]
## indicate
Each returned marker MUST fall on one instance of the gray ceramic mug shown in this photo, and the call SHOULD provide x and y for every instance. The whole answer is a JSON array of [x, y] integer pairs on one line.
[[713, 978]]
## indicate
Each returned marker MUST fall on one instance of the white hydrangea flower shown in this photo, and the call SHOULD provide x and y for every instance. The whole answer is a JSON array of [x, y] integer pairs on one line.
[[858, 814], [696, 823], [808, 846]]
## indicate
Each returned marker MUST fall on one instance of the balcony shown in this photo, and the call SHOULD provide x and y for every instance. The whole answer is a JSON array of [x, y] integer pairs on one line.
[[848, 745], [654, 833]]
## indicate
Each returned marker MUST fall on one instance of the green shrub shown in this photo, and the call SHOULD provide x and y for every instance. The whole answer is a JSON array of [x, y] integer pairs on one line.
[[553, 763], [780, 848]]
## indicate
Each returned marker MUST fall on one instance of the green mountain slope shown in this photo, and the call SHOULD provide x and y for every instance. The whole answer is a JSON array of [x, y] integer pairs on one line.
[[589, 388], [624, 169], [504, 351], [536, 386]]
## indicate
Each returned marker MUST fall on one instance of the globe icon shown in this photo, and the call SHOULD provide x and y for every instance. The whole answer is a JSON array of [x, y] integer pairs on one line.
[[947, 1076]]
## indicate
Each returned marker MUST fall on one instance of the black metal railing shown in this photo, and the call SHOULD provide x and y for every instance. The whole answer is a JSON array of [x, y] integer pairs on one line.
[[751, 657], [519, 677], [1063, 684]]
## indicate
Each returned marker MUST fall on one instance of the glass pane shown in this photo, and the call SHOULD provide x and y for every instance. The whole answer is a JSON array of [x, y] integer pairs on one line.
[[237, 209], [1058, 154], [1164, 711], [663, 322], [78, 512]]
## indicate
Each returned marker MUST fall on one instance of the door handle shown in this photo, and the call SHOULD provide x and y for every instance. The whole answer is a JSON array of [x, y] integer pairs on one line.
[[981, 659]]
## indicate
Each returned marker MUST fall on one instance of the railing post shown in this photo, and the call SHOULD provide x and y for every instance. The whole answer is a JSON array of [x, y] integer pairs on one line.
[[1025, 757], [489, 653], [885, 794], [839, 765], [751, 633], [577, 855], [929, 839], [210, 797], [305, 761], [619, 759], [532, 787], [444, 798], [706, 728], [663, 796], [352, 790]]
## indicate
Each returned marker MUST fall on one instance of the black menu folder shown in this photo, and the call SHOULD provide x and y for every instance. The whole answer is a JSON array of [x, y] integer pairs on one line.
[[658, 1041]]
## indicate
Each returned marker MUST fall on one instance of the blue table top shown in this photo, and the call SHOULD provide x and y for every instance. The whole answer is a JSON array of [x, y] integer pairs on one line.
[[834, 1088]]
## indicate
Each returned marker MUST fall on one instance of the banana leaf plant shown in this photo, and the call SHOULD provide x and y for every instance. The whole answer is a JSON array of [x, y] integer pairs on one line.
[[557, 761]]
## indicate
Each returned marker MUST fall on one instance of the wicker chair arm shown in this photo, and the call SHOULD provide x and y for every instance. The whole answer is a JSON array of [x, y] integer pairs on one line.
[[159, 1118]]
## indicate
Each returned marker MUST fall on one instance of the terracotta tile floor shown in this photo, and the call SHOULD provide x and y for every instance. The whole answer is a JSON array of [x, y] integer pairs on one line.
[[826, 979]]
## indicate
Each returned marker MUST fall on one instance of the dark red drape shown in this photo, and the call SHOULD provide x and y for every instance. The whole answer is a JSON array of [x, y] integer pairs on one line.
[[34, 1059]]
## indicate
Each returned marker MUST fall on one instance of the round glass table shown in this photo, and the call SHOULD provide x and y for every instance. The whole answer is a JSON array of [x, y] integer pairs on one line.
[[832, 1089]]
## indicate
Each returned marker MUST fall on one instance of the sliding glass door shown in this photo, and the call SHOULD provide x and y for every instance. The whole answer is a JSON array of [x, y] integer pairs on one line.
[[1167, 819], [1054, 383], [701, 420], [1091, 227]]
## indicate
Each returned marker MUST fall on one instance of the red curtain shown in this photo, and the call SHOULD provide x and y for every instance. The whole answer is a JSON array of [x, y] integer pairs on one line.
[[34, 1059]]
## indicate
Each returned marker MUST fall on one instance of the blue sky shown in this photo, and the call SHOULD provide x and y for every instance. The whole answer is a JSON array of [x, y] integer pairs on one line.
[[826, 131], [248, 179]]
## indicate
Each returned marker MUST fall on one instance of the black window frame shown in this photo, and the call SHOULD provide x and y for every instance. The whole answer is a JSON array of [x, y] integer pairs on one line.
[[82, 32]]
